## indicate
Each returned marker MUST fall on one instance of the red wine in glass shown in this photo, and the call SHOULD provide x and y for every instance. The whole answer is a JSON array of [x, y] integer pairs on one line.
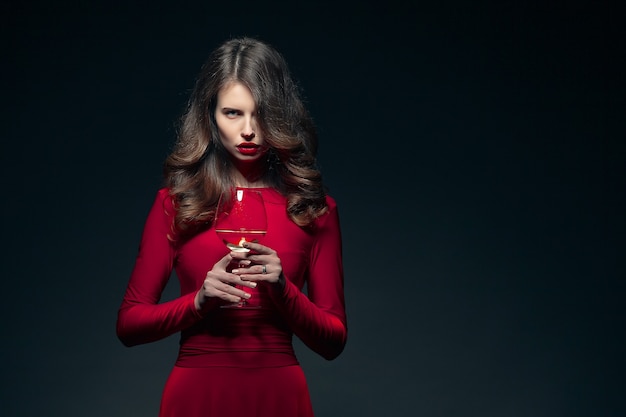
[[240, 218]]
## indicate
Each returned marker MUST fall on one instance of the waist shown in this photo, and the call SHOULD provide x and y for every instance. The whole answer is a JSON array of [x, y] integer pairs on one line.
[[235, 359], [230, 338]]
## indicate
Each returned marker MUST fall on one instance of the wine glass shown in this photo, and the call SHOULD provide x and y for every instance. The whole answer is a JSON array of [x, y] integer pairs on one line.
[[240, 217]]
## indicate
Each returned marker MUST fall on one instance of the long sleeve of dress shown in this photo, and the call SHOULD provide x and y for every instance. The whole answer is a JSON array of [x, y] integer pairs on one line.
[[141, 318], [319, 319]]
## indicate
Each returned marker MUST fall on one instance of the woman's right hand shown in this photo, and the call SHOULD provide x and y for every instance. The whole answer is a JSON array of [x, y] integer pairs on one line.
[[220, 285]]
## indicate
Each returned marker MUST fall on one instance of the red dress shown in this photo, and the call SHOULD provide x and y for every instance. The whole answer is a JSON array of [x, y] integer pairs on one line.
[[232, 362]]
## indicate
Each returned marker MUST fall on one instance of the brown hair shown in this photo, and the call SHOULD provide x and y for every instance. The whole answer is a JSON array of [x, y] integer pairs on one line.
[[198, 169]]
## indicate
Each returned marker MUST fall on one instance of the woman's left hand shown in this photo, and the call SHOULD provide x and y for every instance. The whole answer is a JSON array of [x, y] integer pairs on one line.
[[260, 264]]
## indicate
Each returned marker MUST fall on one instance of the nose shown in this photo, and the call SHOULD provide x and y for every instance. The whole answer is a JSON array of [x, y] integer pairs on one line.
[[248, 130]]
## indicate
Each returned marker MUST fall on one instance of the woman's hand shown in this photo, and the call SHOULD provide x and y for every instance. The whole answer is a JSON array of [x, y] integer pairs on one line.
[[260, 264], [219, 284]]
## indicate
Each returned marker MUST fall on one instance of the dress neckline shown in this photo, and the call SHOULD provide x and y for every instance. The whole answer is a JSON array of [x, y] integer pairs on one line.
[[237, 187]]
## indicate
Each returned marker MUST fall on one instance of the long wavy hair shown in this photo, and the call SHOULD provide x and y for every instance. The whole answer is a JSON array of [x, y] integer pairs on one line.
[[198, 170]]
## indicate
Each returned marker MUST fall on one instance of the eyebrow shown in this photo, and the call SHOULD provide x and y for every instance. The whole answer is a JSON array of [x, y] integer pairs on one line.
[[255, 111]]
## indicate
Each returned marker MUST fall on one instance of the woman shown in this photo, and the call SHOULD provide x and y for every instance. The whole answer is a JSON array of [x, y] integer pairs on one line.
[[245, 127]]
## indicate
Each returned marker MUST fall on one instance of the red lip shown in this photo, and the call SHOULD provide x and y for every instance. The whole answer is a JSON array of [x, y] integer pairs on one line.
[[248, 148]]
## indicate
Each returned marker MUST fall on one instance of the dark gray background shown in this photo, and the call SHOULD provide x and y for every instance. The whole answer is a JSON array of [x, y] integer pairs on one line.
[[477, 154]]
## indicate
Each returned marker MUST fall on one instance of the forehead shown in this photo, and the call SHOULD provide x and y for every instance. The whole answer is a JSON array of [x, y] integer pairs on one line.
[[235, 94]]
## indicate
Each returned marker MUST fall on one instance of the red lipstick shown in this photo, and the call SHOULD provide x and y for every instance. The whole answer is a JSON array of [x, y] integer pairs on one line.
[[248, 148]]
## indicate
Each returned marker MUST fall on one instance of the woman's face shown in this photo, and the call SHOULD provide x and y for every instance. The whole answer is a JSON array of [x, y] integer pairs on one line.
[[236, 117]]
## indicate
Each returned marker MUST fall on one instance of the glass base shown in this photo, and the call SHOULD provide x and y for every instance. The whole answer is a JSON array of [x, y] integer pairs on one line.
[[237, 248], [242, 305]]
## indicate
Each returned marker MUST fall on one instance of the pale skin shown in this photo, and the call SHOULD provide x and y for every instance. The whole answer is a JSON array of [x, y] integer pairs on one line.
[[236, 117]]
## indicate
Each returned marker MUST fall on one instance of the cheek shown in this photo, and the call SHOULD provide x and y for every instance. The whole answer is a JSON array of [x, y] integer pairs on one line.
[[226, 134], [224, 142], [223, 136], [224, 126]]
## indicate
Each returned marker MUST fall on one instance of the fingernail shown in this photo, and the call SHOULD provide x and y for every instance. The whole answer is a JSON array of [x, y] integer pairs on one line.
[[247, 295], [235, 271], [253, 284]]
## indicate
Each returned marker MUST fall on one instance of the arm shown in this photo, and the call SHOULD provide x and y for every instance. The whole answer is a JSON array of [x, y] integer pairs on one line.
[[141, 319], [319, 320]]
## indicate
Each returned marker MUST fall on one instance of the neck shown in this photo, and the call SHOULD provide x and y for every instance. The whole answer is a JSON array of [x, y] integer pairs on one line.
[[250, 175]]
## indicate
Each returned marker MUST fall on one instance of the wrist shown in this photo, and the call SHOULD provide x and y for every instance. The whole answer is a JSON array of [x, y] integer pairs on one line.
[[197, 303], [204, 304], [282, 281]]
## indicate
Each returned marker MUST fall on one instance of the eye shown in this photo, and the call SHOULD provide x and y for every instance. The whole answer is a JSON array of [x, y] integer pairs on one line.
[[231, 113]]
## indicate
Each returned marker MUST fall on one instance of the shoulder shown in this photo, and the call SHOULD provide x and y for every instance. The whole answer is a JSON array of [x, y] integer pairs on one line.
[[165, 201], [331, 203], [163, 193], [330, 216]]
